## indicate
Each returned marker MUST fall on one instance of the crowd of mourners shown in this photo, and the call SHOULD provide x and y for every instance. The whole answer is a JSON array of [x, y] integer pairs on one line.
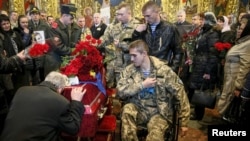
[[149, 60]]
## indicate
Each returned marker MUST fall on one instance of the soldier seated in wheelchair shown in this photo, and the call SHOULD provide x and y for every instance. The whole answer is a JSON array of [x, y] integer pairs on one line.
[[150, 88], [171, 133]]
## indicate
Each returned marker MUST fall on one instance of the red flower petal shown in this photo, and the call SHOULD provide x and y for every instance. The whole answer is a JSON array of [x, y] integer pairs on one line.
[[38, 50], [86, 58]]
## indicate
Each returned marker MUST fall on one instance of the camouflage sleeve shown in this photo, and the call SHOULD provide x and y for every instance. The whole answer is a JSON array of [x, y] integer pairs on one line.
[[124, 46], [174, 85], [185, 107], [126, 85], [106, 38]]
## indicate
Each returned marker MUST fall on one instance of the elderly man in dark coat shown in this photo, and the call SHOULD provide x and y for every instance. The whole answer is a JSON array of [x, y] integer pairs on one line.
[[40, 113]]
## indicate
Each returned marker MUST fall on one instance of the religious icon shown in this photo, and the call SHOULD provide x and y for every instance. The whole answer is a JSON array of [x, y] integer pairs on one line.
[[28, 4], [112, 2], [105, 11], [190, 6], [220, 7], [4, 5]]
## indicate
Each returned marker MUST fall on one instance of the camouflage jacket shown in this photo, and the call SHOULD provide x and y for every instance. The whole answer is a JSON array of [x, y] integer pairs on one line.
[[124, 34], [168, 86]]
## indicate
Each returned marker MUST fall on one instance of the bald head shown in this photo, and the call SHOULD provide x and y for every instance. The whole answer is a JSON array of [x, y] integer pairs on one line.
[[97, 18]]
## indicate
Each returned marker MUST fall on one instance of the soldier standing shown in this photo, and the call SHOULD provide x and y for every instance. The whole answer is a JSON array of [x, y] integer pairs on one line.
[[118, 38], [37, 24]]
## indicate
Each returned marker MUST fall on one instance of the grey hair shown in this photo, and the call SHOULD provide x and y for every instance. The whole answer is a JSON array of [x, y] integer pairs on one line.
[[181, 12], [58, 79]]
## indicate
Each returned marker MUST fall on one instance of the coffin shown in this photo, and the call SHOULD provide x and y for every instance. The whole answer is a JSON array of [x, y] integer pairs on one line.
[[93, 101]]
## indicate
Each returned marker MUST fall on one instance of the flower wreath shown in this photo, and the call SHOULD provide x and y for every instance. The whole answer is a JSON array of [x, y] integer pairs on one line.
[[85, 60]]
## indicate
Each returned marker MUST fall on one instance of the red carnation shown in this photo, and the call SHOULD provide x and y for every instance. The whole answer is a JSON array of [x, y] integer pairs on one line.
[[38, 50], [88, 37], [227, 45], [99, 42], [86, 58], [222, 46]]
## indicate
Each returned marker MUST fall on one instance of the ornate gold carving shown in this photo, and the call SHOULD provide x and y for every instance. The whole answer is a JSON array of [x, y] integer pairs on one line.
[[232, 7], [136, 7], [17, 5], [51, 7], [205, 5], [79, 6], [169, 6]]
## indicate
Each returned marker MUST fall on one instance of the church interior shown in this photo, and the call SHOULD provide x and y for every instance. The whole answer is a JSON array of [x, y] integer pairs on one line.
[[103, 122]]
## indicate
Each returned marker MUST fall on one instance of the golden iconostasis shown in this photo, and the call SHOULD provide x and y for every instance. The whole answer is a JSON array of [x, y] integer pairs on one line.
[[170, 7]]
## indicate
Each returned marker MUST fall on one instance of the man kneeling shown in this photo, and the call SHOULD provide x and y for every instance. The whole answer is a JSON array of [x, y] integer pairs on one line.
[[40, 113]]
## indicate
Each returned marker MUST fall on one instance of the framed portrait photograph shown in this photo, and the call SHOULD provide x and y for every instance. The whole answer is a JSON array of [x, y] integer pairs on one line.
[[39, 37]]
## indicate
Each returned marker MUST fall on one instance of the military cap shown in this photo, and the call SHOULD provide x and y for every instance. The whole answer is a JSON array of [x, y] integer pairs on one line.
[[34, 10], [68, 9]]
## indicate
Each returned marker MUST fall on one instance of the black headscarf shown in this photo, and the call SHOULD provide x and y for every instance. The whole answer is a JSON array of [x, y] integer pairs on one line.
[[246, 30]]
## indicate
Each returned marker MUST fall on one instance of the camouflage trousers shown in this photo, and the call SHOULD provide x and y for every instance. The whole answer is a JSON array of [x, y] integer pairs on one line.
[[114, 67], [156, 125], [112, 74]]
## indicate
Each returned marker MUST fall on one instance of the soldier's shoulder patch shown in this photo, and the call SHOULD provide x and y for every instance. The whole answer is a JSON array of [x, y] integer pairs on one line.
[[54, 25]]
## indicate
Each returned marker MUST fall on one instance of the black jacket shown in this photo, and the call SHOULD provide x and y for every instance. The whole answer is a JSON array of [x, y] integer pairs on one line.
[[98, 31], [40, 113], [53, 58], [165, 44], [206, 59], [75, 35], [7, 65]]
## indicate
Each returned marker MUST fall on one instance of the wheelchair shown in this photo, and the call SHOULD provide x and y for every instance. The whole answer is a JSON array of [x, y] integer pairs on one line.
[[171, 134]]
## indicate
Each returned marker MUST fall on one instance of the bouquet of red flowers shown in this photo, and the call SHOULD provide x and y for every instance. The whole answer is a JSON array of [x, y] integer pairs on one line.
[[220, 46], [85, 60], [38, 50]]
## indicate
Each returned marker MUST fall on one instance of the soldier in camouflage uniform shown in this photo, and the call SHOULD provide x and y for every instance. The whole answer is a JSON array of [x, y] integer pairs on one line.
[[110, 56], [148, 87], [116, 43]]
